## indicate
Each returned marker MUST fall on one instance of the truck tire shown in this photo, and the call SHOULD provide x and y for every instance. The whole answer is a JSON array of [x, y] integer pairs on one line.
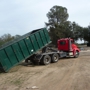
[[55, 58], [76, 54], [46, 60]]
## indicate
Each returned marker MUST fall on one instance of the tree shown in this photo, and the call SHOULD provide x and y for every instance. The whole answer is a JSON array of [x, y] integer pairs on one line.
[[56, 16], [77, 31], [5, 38], [16, 36], [57, 24], [86, 34]]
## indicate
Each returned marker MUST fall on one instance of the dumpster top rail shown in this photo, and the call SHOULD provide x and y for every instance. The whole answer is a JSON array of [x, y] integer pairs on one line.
[[19, 38]]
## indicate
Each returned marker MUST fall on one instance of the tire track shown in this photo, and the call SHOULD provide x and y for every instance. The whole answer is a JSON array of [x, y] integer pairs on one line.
[[63, 85]]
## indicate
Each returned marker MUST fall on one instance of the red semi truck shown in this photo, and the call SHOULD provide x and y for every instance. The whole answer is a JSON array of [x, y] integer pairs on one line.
[[66, 48], [67, 45]]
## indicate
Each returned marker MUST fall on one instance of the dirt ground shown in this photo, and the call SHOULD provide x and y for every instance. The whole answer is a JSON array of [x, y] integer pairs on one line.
[[66, 74]]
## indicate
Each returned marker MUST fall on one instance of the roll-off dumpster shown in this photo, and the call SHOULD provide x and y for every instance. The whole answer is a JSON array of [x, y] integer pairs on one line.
[[13, 52]]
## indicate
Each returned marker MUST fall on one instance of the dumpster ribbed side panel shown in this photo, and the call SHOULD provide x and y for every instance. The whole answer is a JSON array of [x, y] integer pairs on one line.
[[4, 60], [11, 55], [39, 41], [29, 45], [23, 48], [34, 42], [46, 35], [43, 37], [17, 51]]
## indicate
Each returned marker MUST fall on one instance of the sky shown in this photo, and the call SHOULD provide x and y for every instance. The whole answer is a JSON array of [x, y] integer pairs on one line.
[[22, 16]]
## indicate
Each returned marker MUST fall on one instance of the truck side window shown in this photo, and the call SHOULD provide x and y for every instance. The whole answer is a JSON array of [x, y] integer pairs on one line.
[[62, 43]]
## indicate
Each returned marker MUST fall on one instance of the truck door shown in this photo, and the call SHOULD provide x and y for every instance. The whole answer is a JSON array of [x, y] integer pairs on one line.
[[63, 45]]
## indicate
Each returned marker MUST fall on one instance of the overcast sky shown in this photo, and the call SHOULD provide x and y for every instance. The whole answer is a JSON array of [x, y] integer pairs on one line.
[[23, 16]]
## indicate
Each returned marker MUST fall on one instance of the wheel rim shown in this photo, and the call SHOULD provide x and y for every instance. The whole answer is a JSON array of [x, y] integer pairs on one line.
[[55, 58], [47, 60], [76, 54]]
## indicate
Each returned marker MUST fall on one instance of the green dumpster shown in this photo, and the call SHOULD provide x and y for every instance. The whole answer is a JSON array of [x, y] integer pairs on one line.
[[13, 52]]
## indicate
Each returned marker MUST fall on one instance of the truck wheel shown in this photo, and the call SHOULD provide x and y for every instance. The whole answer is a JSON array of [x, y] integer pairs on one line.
[[46, 60], [76, 54], [55, 58]]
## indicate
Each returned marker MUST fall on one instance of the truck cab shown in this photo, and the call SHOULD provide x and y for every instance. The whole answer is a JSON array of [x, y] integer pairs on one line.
[[67, 45]]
